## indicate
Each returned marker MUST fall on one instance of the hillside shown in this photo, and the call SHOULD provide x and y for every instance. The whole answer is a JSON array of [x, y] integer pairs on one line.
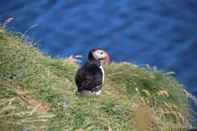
[[38, 94]]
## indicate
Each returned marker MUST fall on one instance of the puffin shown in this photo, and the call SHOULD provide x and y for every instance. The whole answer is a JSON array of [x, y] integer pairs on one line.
[[90, 76]]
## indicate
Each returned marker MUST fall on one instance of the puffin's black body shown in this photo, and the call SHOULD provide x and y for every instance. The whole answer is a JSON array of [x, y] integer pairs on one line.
[[89, 77]]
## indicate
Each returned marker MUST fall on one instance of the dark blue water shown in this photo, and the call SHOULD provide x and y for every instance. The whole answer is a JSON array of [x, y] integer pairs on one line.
[[161, 33]]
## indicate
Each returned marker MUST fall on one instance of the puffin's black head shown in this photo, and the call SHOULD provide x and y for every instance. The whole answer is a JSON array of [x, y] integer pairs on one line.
[[97, 54]]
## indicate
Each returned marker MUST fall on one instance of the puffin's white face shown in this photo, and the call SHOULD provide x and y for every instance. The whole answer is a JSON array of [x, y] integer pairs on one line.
[[99, 54]]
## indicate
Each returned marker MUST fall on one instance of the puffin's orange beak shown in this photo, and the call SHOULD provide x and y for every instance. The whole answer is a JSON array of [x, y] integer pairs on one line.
[[107, 59]]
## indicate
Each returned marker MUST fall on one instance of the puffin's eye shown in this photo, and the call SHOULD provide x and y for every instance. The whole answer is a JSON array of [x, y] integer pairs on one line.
[[101, 53]]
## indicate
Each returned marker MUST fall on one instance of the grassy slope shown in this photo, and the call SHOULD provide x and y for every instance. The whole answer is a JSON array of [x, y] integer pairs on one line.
[[38, 93]]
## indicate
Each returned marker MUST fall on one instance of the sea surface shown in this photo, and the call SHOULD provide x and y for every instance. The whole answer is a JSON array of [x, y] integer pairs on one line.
[[161, 33]]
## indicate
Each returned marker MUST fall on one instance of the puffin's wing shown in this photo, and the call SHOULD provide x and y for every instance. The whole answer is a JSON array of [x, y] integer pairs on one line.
[[89, 77]]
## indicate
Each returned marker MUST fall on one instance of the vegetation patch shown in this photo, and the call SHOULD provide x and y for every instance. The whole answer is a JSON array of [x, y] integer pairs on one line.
[[38, 94]]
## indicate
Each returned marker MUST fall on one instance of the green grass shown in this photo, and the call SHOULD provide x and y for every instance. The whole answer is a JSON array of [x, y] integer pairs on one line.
[[35, 88]]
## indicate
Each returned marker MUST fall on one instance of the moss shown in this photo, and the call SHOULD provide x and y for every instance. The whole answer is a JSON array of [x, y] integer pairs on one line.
[[128, 94]]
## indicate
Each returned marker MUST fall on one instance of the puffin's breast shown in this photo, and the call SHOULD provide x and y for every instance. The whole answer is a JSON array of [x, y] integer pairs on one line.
[[103, 74]]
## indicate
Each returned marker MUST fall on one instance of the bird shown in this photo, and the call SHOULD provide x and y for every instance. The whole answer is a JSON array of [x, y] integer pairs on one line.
[[90, 76]]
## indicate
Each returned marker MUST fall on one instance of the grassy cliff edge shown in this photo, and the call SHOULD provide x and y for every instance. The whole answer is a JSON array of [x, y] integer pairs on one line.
[[38, 93]]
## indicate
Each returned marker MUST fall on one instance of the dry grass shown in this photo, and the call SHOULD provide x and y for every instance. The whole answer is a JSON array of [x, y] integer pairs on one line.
[[143, 117]]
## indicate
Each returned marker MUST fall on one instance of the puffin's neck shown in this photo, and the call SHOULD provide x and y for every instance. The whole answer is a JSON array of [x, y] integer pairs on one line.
[[97, 62]]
